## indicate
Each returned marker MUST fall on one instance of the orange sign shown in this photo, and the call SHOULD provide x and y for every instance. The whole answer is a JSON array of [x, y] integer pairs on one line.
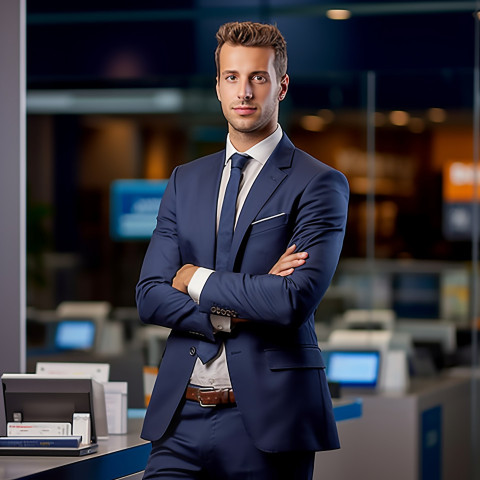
[[458, 181]]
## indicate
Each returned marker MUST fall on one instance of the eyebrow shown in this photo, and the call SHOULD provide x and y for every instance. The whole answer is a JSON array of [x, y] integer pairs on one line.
[[262, 72]]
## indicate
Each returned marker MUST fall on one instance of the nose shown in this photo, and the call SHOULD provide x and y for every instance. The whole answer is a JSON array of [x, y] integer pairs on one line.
[[245, 90]]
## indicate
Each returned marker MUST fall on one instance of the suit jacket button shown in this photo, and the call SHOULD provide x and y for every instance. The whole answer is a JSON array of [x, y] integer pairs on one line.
[[213, 309], [193, 351], [223, 312]]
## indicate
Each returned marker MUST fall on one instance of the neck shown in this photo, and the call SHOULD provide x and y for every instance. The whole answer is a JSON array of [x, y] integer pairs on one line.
[[242, 141]]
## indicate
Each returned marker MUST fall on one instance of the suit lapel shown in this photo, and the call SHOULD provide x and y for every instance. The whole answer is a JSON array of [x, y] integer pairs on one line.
[[270, 177], [205, 213]]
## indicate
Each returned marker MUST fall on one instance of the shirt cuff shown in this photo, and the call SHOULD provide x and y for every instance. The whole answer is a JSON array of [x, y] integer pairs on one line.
[[197, 283], [195, 287], [221, 323]]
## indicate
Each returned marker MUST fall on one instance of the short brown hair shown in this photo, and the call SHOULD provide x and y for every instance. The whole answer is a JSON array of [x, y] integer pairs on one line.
[[251, 34]]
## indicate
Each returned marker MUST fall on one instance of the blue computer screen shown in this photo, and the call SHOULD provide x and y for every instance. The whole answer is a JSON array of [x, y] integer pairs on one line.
[[353, 368], [134, 208], [75, 335]]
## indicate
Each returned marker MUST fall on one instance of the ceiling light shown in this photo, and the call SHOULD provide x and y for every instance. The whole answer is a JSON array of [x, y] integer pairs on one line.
[[399, 118], [339, 14], [327, 115], [437, 115], [416, 125], [380, 119], [312, 123]]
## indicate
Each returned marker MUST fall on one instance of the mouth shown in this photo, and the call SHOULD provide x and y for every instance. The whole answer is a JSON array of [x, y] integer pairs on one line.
[[244, 109]]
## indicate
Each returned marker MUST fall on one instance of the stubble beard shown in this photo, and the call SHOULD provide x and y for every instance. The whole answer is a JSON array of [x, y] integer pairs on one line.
[[252, 126]]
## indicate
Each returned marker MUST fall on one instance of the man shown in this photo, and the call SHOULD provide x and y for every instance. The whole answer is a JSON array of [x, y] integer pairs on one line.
[[241, 308]]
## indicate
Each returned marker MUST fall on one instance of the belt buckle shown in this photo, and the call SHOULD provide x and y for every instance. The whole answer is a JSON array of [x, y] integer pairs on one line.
[[205, 389]]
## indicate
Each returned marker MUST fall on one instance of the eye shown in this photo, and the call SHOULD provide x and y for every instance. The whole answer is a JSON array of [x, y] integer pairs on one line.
[[230, 78], [259, 79]]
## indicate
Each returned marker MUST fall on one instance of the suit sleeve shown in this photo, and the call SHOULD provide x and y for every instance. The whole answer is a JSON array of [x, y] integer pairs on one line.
[[319, 229], [157, 301]]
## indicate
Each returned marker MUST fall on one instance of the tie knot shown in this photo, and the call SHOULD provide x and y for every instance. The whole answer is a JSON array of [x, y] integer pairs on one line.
[[238, 160]]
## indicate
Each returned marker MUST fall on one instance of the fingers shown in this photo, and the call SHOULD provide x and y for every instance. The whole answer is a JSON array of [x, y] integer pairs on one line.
[[288, 262], [284, 273], [288, 251], [291, 261]]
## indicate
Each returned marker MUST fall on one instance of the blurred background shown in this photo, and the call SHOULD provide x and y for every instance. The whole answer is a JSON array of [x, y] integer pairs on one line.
[[119, 93], [127, 92]]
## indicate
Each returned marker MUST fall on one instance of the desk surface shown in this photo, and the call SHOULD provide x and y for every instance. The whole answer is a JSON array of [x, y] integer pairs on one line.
[[133, 451], [119, 456]]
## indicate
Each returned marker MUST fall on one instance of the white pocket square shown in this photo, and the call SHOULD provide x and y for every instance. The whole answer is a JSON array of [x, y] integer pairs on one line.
[[268, 218]]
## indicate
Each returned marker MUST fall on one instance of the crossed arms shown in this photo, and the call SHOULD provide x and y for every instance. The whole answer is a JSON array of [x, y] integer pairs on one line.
[[285, 266], [288, 295]]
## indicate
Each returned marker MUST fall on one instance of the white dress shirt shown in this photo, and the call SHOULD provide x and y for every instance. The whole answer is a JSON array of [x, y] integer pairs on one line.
[[215, 373]]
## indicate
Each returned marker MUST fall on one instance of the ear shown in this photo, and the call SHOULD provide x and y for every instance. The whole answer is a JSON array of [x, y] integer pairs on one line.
[[283, 87], [217, 89]]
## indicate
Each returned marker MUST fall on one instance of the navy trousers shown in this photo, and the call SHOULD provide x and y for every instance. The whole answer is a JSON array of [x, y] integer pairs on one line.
[[210, 443]]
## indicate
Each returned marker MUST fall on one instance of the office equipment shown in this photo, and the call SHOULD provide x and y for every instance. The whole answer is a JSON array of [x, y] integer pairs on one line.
[[68, 445], [72, 320], [134, 207], [78, 334], [68, 441], [116, 393], [394, 348], [382, 340], [34, 429], [80, 451], [116, 404], [56, 399], [354, 368], [95, 310], [98, 371], [436, 331], [434, 344], [82, 427], [369, 319]]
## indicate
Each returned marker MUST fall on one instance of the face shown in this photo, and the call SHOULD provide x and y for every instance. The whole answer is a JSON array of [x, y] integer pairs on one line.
[[249, 91]]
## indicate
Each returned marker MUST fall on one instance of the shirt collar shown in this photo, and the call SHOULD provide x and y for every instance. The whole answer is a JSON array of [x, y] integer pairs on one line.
[[261, 151]]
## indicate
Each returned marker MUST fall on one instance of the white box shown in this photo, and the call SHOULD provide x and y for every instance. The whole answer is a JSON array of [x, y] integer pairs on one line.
[[82, 425], [116, 404]]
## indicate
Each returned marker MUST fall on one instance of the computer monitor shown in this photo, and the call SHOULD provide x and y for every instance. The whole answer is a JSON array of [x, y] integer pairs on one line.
[[75, 335], [134, 207], [353, 368]]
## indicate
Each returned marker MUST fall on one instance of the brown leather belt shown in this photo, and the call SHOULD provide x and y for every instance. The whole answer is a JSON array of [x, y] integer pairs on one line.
[[209, 397]]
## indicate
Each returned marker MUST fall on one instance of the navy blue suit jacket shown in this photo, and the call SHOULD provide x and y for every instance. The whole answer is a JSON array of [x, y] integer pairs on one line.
[[275, 365]]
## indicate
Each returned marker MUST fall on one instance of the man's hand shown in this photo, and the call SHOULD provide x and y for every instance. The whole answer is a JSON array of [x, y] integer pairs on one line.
[[183, 276], [287, 263]]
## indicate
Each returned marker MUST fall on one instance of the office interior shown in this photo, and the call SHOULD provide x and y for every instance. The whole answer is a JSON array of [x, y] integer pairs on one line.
[[386, 92]]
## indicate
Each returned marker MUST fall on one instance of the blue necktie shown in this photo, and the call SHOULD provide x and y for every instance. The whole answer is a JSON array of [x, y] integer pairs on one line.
[[207, 351], [227, 217]]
